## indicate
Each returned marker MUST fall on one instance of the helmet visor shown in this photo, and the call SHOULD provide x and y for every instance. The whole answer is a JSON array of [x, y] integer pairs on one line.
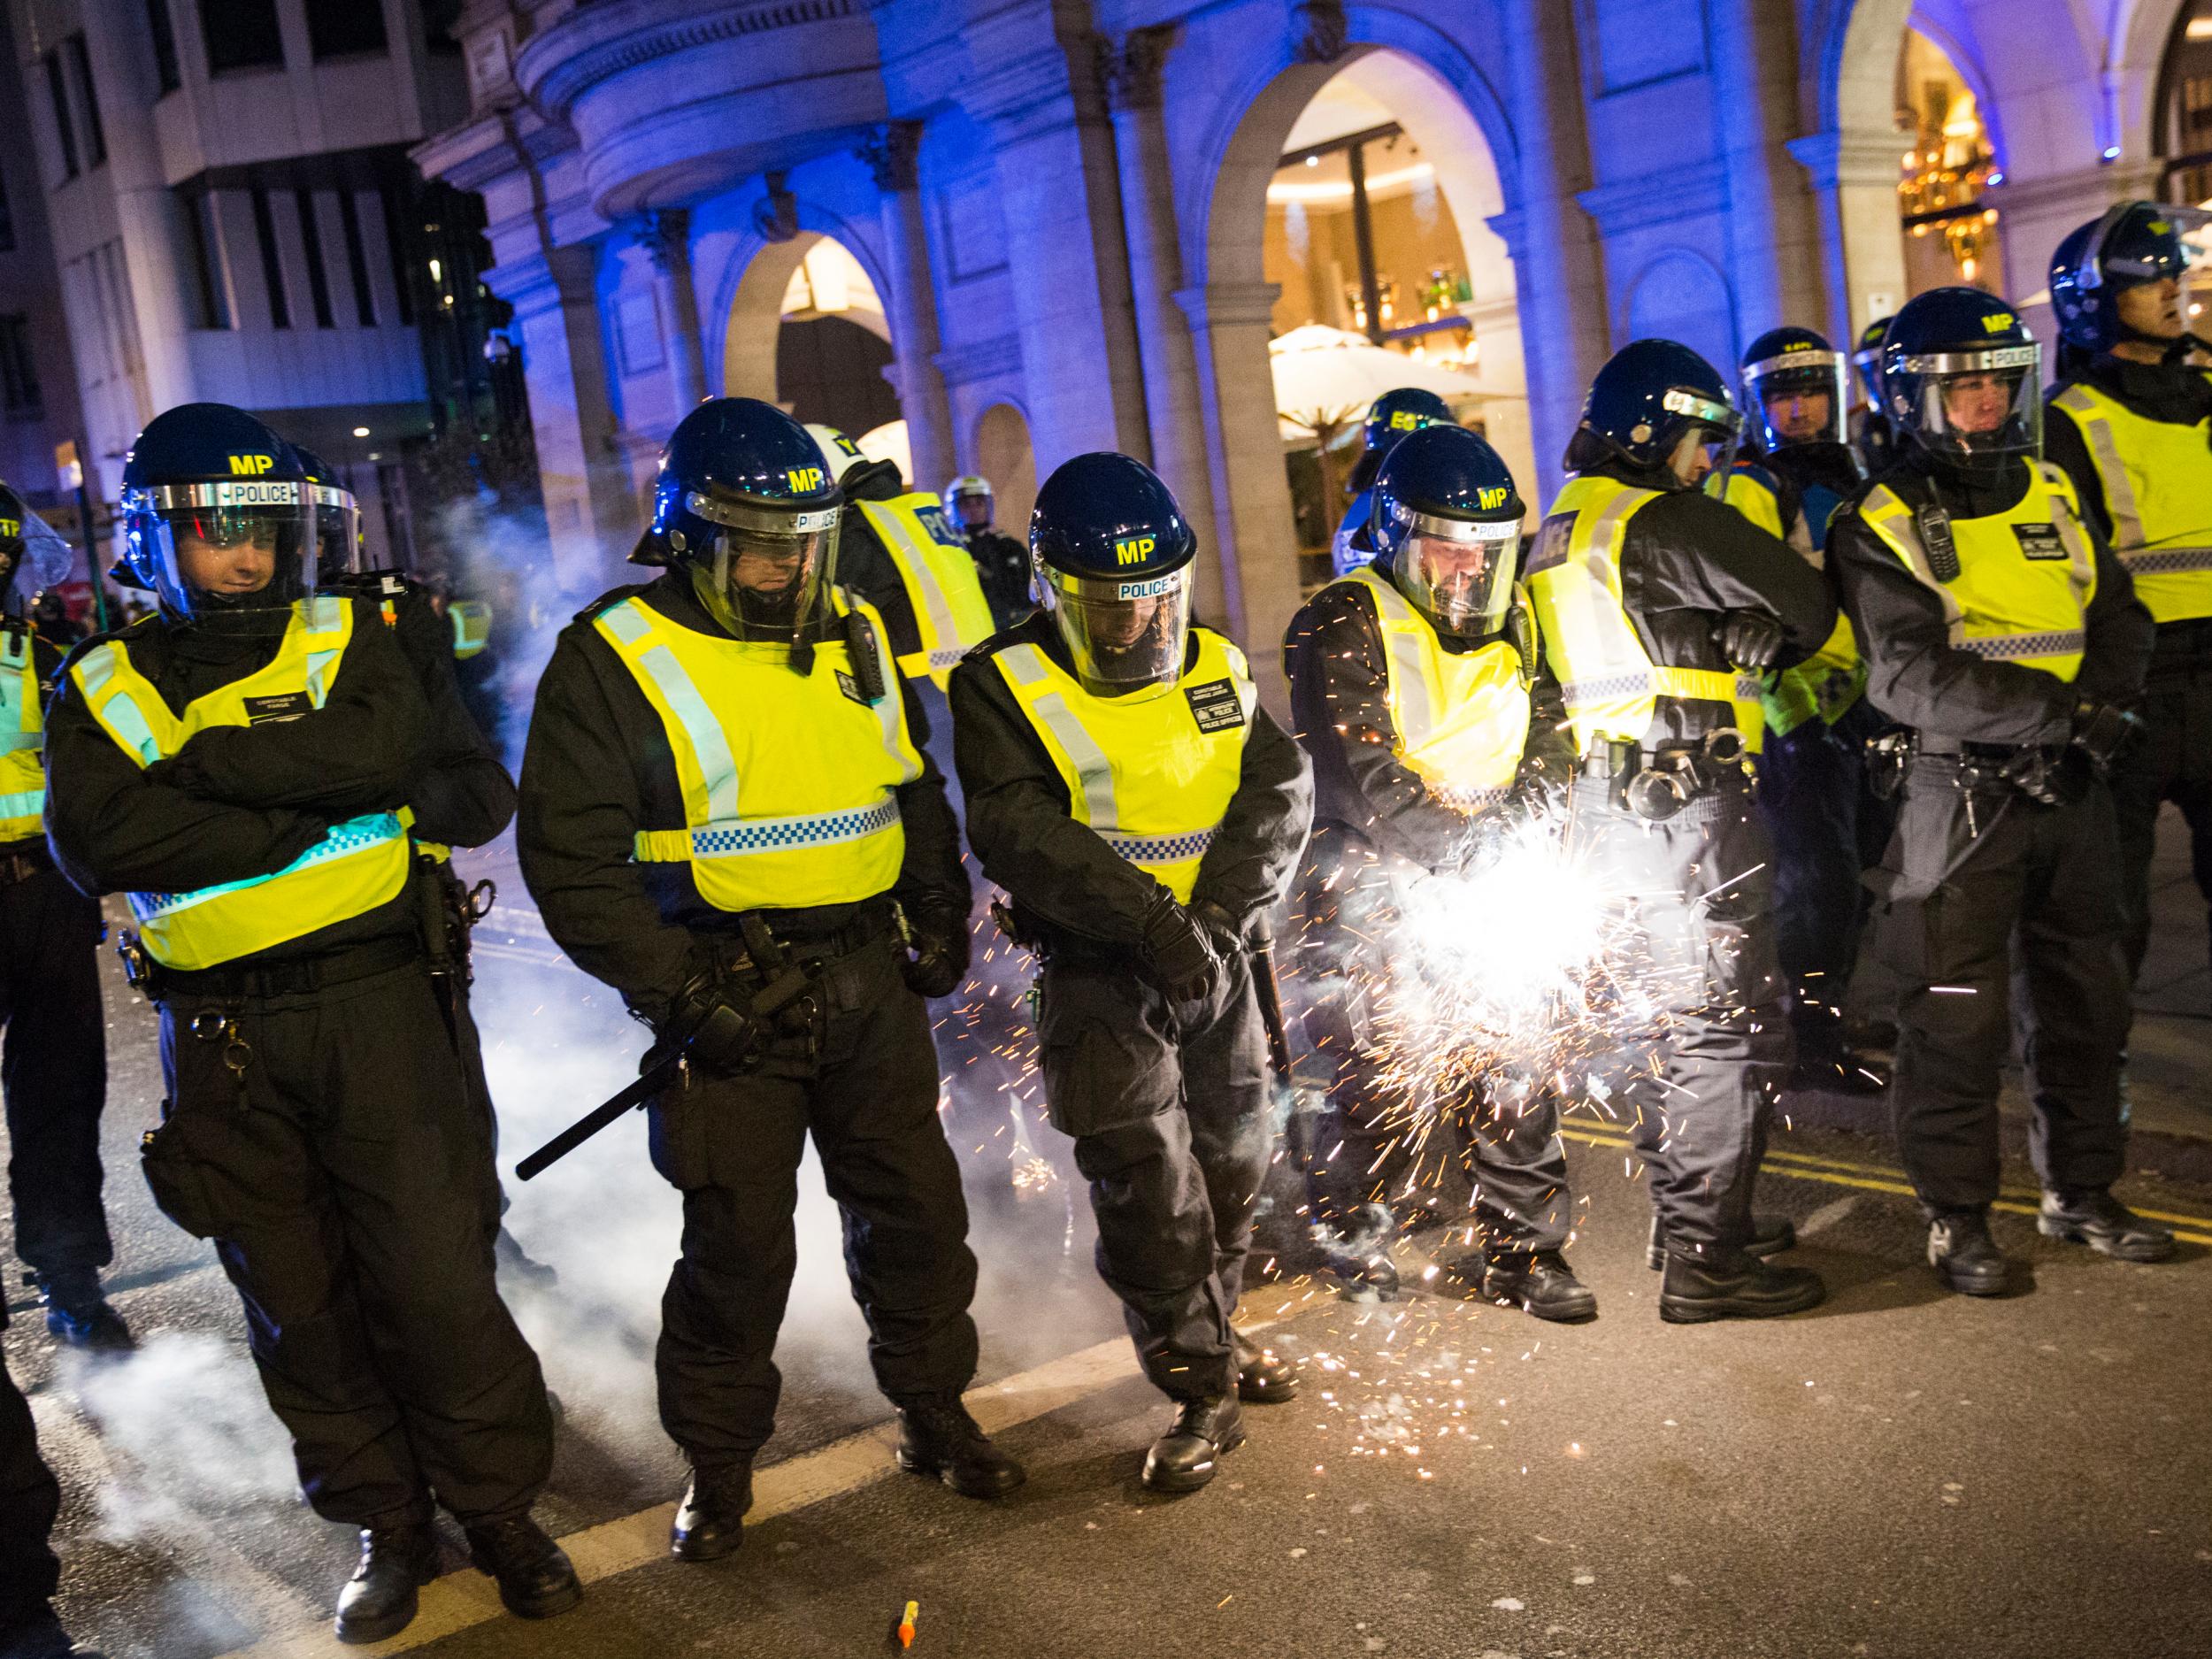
[[772, 567], [338, 551], [228, 546], [1458, 573], [1122, 635], [1798, 398], [33, 559], [1975, 404]]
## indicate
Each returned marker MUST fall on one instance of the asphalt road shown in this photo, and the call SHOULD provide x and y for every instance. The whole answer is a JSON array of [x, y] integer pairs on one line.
[[1900, 1472]]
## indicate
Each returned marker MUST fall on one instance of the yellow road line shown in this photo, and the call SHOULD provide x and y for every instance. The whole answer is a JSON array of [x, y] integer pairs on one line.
[[1877, 1179]]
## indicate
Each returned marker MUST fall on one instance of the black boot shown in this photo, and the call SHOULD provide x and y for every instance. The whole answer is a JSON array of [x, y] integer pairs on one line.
[[43, 1638], [1839, 1070], [1205, 1432], [77, 1311], [1263, 1377], [937, 1437], [1771, 1235], [1542, 1283], [380, 1600], [2094, 1217], [534, 1578], [1744, 1288], [710, 1521], [1963, 1255]]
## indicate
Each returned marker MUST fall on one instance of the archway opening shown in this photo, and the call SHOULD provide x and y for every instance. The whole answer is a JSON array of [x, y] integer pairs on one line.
[[1950, 234], [2183, 137], [1377, 231], [1004, 455], [807, 331]]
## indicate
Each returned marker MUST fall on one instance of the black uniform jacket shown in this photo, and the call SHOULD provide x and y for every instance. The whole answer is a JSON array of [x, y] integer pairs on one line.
[[1060, 873], [1915, 676], [1340, 701], [240, 802], [1686, 560], [2173, 392], [598, 769]]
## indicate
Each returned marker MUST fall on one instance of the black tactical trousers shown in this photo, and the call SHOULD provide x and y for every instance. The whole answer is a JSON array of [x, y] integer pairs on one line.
[[1995, 910], [2169, 759], [1168, 1106], [54, 1068], [1827, 830], [868, 1096], [1377, 1145], [345, 1174], [1700, 889], [29, 1500]]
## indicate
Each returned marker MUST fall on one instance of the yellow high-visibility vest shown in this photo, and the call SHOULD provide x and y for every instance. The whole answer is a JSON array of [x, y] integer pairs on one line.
[[941, 581], [22, 735], [1152, 772], [472, 626], [2026, 576], [1751, 494], [1611, 686], [787, 780], [2157, 479], [356, 866], [1459, 720]]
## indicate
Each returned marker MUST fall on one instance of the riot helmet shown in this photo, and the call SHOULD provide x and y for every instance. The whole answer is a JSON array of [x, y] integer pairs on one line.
[[1113, 555], [746, 503], [1794, 386], [338, 549], [1447, 525], [2134, 245], [1390, 417], [850, 469], [1866, 357], [1663, 411], [218, 519], [1961, 376], [33, 556], [969, 499]]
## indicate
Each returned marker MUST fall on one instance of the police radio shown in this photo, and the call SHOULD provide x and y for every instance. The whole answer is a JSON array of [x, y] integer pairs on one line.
[[1933, 525]]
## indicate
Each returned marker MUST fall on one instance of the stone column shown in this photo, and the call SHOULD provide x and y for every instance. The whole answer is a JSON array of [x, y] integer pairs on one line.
[[666, 235], [892, 153], [593, 515], [1130, 74], [1855, 178], [1257, 537]]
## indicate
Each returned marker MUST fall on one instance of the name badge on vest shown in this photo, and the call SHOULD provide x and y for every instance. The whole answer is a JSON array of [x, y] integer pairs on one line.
[[850, 687], [1215, 705], [1551, 541], [284, 705], [2039, 541]]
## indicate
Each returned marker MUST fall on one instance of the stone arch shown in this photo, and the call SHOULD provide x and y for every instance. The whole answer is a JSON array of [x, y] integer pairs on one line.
[[1002, 453], [748, 307], [1682, 295], [2141, 45]]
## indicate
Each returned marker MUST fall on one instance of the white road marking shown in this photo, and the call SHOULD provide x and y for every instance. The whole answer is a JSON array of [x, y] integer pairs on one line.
[[1827, 1215]]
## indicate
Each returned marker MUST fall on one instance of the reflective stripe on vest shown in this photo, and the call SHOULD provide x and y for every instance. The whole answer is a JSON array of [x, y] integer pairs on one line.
[[1459, 718], [2157, 479], [941, 581], [356, 866], [1139, 770], [2005, 606], [788, 782], [472, 626], [1608, 681], [22, 735]]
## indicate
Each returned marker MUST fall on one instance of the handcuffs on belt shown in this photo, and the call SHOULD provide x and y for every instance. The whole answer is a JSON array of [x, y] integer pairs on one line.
[[1679, 773]]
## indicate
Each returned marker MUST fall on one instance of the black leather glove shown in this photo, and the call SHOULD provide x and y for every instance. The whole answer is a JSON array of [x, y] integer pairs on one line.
[[940, 963], [1222, 928], [1750, 639], [714, 1032], [1180, 952], [2102, 730]]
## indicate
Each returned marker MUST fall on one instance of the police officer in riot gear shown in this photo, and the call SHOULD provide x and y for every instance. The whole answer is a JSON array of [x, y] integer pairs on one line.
[[1001, 562], [1871, 432], [54, 1069], [253, 767], [2132, 429], [729, 816], [1826, 823], [1412, 695], [1997, 624], [1389, 418], [1143, 812], [1660, 607]]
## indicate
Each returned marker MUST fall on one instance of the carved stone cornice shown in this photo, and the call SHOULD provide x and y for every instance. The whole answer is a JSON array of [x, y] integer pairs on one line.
[[592, 44], [1129, 72], [666, 235], [892, 152]]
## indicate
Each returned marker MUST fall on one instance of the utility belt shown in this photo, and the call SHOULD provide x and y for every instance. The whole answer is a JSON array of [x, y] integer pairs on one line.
[[1048, 943], [1656, 783], [264, 981], [797, 977], [2000, 769], [740, 952]]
